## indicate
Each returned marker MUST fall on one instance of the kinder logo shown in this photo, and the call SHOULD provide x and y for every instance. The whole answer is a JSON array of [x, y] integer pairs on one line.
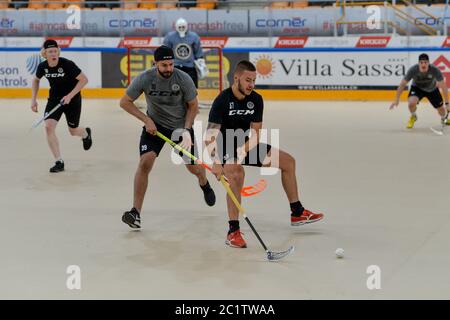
[[444, 65], [291, 42], [214, 42], [135, 42], [63, 42], [446, 42], [373, 42]]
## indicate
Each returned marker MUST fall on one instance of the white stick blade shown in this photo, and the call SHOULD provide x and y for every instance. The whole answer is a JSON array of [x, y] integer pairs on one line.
[[275, 256]]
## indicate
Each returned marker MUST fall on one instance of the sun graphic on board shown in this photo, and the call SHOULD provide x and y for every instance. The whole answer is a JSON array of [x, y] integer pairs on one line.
[[265, 66]]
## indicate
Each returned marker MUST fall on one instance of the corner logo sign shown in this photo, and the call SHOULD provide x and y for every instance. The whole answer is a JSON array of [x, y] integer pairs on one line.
[[444, 65], [372, 42]]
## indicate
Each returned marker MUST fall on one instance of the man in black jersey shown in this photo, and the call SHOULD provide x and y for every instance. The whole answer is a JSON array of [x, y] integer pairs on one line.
[[66, 80], [235, 121]]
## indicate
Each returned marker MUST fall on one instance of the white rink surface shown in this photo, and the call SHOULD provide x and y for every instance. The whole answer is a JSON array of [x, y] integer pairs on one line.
[[384, 190]]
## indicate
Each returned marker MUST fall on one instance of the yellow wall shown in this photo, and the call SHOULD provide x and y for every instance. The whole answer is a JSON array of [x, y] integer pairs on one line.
[[330, 95]]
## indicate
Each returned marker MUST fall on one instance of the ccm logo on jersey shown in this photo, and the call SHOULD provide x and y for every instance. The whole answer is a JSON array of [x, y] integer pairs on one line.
[[241, 112], [163, 93], [54, 75]]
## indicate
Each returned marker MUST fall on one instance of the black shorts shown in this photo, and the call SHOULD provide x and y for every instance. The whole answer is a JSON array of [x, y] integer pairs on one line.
[[154, 143], [434, 96], [71, 110], [192, 72], [254, 157]]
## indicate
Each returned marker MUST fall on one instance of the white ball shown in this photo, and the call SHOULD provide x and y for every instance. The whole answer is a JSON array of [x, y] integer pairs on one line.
[[339, 252]]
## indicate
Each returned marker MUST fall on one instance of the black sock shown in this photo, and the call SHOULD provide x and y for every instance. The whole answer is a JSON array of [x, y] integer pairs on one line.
[[234, 226], [206, 187], [296, 209]]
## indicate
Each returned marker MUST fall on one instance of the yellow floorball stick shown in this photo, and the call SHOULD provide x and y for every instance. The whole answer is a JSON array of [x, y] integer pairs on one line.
[[271, 255]]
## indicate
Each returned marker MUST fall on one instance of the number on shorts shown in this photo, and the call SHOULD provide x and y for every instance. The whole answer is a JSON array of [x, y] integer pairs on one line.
[[144, 147]]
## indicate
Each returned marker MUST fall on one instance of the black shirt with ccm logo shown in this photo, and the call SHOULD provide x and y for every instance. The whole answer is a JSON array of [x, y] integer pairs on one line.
[[62, 78], [232, 113]]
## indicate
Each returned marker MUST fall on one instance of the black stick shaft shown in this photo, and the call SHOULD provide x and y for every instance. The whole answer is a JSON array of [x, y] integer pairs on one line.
[[256, 233]]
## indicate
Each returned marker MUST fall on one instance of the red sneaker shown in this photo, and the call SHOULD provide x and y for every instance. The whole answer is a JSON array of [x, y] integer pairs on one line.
[[235, 240], [306, 217]]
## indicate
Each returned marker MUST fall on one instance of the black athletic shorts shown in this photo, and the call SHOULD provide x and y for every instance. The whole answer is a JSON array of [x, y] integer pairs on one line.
[[154, 143], [71, 110], [254, 157], [192, 72], [434, 96]]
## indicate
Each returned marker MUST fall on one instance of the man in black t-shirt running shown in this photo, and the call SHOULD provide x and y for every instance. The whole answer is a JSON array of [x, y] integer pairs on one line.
[[66, 80], [235, 113]]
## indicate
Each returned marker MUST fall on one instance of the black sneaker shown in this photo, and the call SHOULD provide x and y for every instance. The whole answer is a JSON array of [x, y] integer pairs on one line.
[[208, 194], [87, 142], [132, 218], [58, 167]]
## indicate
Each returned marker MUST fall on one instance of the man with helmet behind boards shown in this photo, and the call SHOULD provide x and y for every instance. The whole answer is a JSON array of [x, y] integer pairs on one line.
[[188, 51]]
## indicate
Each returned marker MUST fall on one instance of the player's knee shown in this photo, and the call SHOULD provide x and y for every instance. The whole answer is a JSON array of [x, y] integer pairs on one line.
[[412, 103], [72, 131], [289, 163], [195, 169], [49, 128], [146, 163], [236, 174]]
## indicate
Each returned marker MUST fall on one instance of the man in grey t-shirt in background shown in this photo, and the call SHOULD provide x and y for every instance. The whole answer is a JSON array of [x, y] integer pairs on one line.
[[187, 49], [427, 79], [171, 109]]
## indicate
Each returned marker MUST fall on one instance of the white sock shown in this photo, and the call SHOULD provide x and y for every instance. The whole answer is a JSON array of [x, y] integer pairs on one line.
[[60, 160], [85, 134], [413, 114]]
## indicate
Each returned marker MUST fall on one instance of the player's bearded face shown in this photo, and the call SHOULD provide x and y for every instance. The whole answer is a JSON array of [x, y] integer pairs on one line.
[[165, 68], [423, 65], [246, 82]]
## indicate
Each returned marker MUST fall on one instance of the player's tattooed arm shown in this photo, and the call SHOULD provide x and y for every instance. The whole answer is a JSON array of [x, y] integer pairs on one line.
[[255, 134], [212, 125], [212, 131]]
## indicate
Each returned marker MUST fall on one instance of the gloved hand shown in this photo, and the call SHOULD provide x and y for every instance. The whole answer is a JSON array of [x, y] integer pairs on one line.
[[202, 68]]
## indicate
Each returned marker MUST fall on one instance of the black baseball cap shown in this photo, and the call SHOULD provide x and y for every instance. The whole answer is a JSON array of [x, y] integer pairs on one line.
[[50, 44], [163, 53], [424, 56]]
